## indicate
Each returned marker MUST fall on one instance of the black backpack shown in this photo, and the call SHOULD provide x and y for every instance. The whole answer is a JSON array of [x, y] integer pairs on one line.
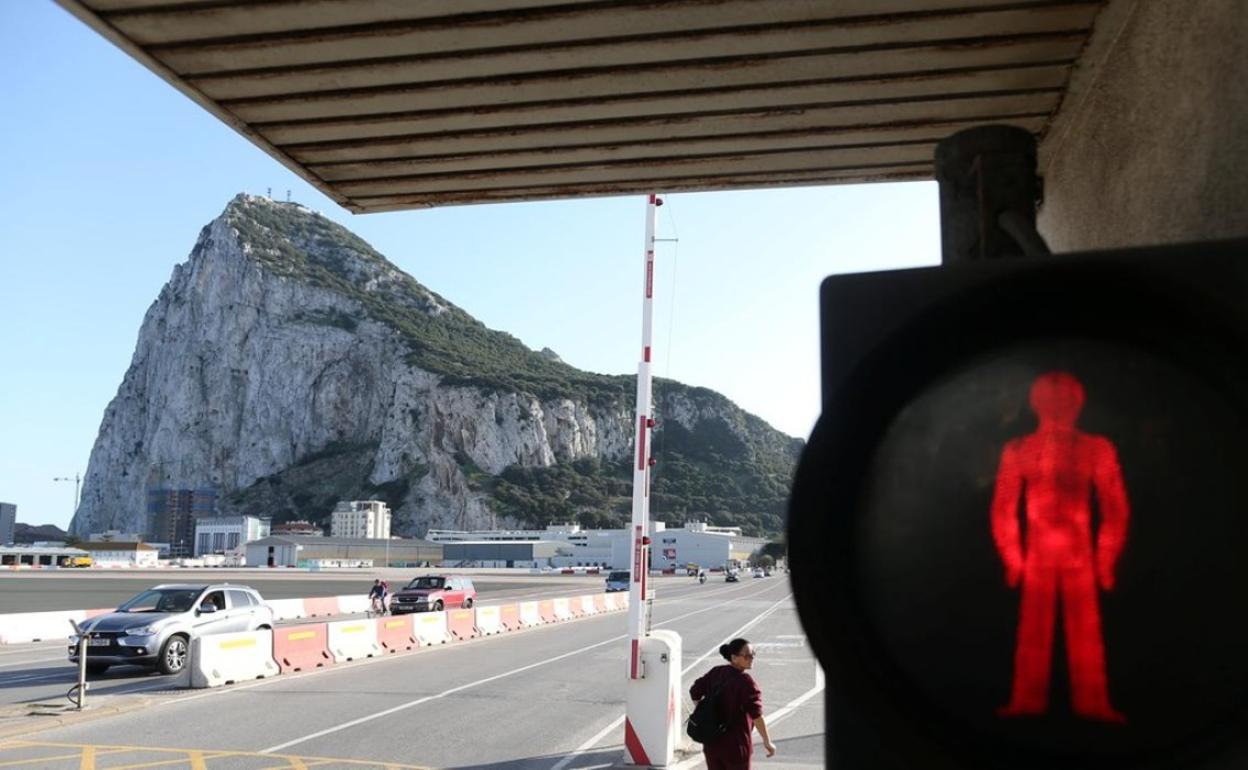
[[705, 723]]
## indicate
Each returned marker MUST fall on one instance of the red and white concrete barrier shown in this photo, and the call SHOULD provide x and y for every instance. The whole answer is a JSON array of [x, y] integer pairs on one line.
[[300, 648], [352, 640], [430, 628], [490, 620], [220, 659]]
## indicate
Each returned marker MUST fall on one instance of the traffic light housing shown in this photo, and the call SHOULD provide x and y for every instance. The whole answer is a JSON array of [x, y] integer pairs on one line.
[[962, 398]]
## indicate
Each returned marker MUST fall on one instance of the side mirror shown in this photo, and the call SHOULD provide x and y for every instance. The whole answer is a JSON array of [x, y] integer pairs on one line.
[[207, 609]]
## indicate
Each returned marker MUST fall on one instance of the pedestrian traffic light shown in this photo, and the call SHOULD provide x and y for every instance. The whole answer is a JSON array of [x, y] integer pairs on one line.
[[1019, 532]]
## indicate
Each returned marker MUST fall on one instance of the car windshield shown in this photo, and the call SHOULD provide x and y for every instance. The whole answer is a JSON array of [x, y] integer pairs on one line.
[[426, 582], [618, 576], [162, 600]]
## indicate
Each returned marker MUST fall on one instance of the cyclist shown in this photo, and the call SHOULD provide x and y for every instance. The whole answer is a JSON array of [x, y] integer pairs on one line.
[[377, 597]]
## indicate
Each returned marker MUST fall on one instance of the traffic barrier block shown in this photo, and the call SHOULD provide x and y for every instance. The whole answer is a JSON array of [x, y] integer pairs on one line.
[[462, 624], [489, 621], [21, 627], [531, 614], [396, 634], [546, 609], [299, 648], [354, 604], [509, 615], [430, 628], [616, 601], [352, 640], [586, 606], [563, 609], [321, 607], [219, 659], [600, 602], [287, 609]]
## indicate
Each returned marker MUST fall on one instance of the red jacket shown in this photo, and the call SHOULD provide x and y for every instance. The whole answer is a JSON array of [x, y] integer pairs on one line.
[[740, 702]]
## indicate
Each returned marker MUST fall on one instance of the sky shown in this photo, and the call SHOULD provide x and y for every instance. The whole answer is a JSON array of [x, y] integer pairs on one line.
[[110, 173]]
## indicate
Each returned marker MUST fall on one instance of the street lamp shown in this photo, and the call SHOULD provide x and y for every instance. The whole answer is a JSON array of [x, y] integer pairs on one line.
[[77, 479]]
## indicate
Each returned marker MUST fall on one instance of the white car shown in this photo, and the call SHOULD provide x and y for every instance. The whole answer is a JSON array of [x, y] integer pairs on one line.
[[758, 573]]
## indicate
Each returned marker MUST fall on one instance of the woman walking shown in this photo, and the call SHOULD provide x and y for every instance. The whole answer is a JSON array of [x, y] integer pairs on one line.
[[740, 708]]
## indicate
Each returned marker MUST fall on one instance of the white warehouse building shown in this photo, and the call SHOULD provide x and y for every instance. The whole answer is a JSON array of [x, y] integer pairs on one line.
[[361, 519], [697, 543], [227, 534]]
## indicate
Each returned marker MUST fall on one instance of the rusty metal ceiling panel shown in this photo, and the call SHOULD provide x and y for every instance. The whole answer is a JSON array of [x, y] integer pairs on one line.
[[388, 104]]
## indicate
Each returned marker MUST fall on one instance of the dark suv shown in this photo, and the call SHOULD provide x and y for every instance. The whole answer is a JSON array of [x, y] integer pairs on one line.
[[431, 593]]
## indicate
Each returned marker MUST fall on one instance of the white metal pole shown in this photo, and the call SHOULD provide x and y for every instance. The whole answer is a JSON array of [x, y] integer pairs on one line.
[[638, 611]]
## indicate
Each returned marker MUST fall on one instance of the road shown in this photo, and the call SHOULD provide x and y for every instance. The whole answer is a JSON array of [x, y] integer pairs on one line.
[[549, 698], [41, 672]]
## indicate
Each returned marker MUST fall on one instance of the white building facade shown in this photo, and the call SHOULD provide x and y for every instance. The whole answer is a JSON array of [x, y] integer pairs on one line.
[[697, 543], [362, 519], [122, 554], [227, 534]]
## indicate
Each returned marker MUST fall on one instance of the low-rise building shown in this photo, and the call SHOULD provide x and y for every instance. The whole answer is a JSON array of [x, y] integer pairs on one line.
[[695, 543], [38, 555], [367, 519], [121, 554], [227, 534], [303, 551]]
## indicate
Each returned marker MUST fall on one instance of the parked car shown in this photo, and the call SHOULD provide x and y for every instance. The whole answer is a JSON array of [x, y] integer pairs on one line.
[[731, 577], [156, 627], [432, 593], [617, 581]]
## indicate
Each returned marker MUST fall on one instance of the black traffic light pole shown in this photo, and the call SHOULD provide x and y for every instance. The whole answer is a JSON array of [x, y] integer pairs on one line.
[[989, 192]]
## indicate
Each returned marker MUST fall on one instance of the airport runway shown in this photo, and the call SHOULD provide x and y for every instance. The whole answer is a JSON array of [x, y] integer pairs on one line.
[[36, 591], [549, 698]]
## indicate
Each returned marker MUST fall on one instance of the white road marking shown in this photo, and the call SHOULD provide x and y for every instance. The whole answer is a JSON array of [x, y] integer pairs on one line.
[[460, 688], [288, 678]]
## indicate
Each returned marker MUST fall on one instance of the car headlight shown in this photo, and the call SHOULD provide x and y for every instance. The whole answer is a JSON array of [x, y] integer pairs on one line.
[[141, 631], [73, 640]]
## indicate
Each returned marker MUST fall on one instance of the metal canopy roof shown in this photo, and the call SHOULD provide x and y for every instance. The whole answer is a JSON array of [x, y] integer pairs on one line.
[[397, 104]]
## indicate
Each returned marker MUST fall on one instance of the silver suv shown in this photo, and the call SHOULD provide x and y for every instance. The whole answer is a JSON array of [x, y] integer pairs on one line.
[[155, 628]]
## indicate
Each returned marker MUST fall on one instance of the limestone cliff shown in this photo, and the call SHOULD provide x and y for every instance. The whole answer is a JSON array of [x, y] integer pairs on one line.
[[288, 365]]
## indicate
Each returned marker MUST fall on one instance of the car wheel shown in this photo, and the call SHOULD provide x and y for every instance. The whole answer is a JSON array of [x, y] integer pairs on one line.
[[437, 606], [468, 603], [173, 655], [97, 668]]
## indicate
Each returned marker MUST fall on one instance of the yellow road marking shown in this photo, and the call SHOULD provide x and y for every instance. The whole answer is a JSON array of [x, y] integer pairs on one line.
[[20, 762], [88, 757]]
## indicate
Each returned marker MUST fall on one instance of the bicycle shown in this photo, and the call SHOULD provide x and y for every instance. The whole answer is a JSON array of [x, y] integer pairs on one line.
[[376, 607]]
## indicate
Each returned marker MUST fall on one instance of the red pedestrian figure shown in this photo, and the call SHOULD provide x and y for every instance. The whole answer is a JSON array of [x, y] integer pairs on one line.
[[1055, 471]]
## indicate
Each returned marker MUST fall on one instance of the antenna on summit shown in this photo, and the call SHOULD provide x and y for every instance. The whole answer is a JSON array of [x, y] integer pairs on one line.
[[288, 196], [269, 193]]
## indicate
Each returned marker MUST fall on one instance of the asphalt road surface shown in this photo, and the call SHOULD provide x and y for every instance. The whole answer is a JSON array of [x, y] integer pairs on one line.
[[65, 590], [41, 672], [549, 698]]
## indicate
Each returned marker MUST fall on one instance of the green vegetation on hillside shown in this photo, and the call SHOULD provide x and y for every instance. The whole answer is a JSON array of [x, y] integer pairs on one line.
[[729, 468], [290, 241]]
